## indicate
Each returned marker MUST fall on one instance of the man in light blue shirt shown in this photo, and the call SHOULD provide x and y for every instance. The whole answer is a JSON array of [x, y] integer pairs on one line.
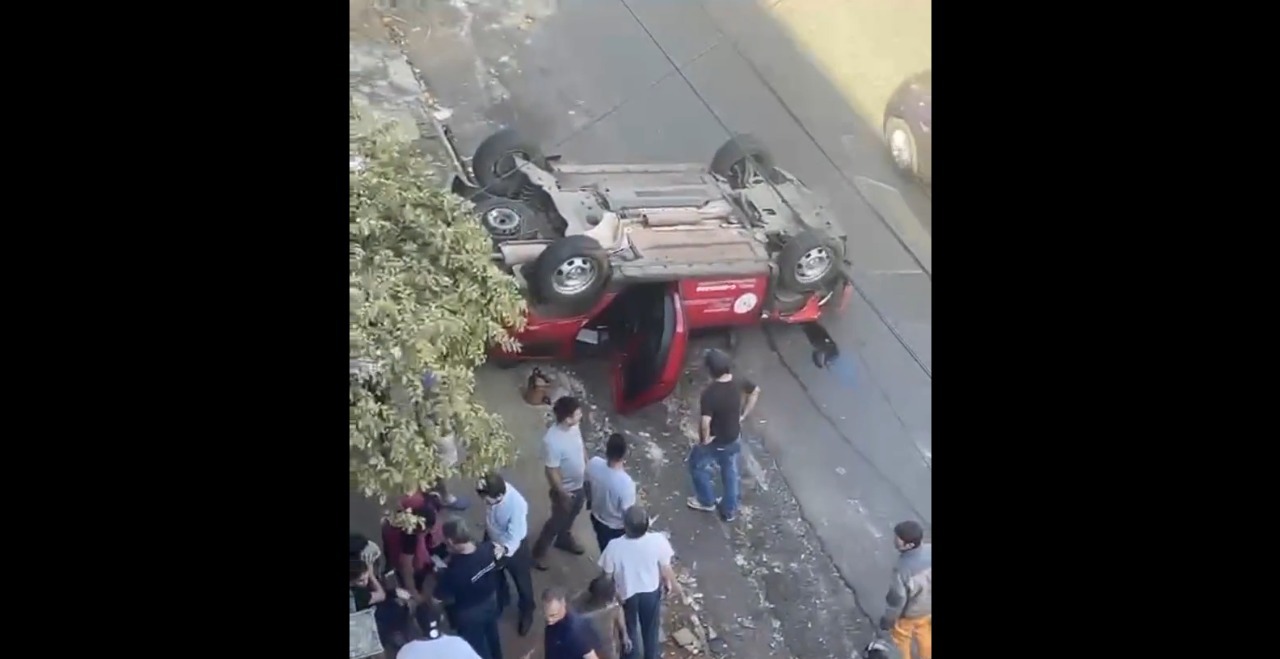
[[506, 522]]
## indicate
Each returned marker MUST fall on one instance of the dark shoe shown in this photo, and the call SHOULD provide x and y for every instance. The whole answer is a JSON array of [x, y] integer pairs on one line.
[[729, 517], [526, 621], [571, 546]]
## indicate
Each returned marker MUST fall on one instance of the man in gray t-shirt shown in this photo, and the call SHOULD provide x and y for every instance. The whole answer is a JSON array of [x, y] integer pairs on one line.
[[612, 491], [565, 459]]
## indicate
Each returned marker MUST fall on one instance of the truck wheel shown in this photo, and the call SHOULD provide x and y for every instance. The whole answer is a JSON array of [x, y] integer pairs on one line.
[[809, 261], [570, 274], [494, 167], [738, 159], [504, 218], [902, 145]]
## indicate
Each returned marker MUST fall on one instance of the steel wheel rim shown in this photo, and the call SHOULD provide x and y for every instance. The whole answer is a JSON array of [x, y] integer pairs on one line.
[[508, 157], [900, 148], [814, 265], [574, 275], [502, 221]]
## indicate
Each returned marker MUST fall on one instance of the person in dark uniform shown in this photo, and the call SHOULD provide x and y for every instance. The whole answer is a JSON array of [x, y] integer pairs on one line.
[[468, 588]]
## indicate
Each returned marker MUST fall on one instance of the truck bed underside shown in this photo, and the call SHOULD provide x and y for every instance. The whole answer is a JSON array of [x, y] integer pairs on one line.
[[642, 186]]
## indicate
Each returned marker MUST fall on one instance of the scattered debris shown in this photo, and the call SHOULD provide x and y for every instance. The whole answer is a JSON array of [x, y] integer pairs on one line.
[[685, 639]]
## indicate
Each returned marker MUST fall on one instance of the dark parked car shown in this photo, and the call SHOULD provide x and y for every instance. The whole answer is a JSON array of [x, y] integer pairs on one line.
[[908, 126]]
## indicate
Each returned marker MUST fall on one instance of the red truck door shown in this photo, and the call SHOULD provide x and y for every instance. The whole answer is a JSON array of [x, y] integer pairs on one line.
[[650, 360]]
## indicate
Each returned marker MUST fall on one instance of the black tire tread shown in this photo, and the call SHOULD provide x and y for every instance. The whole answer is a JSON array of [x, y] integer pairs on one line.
[[491, 150], [739, 147]]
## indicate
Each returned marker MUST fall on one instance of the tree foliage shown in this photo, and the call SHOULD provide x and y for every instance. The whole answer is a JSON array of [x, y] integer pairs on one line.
[[425, 297]]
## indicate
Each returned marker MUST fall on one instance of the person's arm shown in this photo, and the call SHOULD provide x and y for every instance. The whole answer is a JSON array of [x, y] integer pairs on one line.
[[376, 592], [665, 554], [752, 393], [404, 563], [551, 460], [517, 525], [704, 425], [627, 498], [895, 601], [620, 628]]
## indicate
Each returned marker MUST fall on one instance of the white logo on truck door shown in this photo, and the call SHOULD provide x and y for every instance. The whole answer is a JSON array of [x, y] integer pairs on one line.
[[745, 303]]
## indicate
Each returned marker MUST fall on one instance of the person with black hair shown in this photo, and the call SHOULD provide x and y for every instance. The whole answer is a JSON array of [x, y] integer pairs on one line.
[[506, 522], [600, 606], [640, 565], [611, 490], [909, 605], [468, 588], [434, 644], [565, 458], [725, 403]]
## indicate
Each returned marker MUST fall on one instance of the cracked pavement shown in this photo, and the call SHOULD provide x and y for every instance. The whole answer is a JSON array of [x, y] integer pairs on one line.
[[839, 460]]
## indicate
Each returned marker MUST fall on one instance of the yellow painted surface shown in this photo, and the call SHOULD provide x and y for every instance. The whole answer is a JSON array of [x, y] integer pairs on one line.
[[865, 47]]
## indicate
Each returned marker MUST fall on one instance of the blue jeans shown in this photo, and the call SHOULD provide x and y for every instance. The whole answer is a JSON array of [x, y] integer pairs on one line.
[[478, 625], [642, 616], [701, 459]]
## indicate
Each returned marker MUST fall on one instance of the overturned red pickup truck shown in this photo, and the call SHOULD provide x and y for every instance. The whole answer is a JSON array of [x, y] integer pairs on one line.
[[636, 257]]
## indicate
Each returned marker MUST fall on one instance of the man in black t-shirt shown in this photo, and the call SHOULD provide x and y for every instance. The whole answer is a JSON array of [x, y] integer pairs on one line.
[[725, 403], [468, 587]]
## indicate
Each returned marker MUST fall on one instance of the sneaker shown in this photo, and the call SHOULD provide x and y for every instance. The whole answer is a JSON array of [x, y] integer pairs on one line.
[[693, 503], [729, 518]]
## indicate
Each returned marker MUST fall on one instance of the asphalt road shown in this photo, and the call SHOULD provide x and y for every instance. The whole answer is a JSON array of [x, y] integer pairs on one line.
[[658, 80]]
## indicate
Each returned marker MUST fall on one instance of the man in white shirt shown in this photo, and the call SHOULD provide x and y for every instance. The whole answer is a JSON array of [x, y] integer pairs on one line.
[[436, 645], [640, 564], [611, 490], [565, 458]]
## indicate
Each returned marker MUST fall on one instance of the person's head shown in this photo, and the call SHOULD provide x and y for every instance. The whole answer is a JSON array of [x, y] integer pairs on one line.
[[908, 535], [602, 589], [357, 546], [555, 604], [491, 487], [635, 521], [359, 571], [568, 411], [718, 363], [615, 448], [457, 536], [428, 617]]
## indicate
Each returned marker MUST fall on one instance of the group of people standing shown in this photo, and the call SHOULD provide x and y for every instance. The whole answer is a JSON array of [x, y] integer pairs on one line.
[[474, 573], [619, 614]]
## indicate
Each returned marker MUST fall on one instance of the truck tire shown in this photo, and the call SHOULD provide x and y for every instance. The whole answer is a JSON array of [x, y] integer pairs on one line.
[[729, 160], [493, 167], [809, 261], [504, 218], [570, 274]]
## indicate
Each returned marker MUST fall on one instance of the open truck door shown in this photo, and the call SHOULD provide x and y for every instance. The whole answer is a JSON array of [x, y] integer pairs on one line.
[[651, 356]]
